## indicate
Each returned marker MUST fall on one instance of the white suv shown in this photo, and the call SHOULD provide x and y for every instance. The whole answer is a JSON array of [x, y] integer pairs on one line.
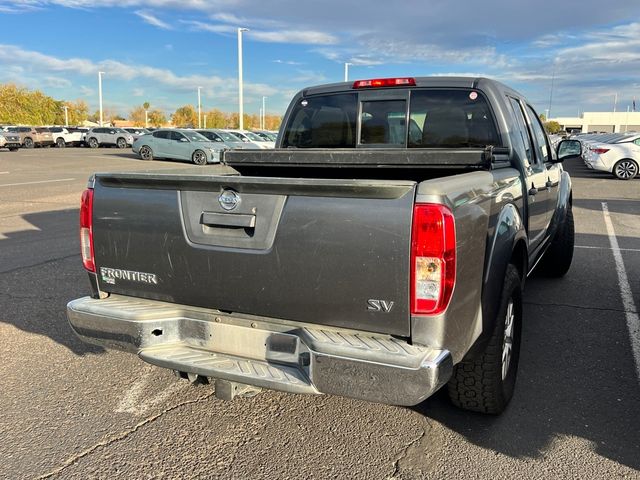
[[108, 136]]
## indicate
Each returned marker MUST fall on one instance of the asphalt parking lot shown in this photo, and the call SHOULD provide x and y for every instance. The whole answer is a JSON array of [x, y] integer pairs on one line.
[[70, 410]]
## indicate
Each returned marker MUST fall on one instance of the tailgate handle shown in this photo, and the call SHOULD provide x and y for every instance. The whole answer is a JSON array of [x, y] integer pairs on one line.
[[214, 219]]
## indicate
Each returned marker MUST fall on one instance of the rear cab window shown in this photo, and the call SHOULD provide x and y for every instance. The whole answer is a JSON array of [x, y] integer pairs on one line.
[[425, 118]]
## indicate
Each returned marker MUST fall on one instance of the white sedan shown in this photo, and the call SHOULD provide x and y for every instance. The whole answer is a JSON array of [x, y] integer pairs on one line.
[[621, 159]]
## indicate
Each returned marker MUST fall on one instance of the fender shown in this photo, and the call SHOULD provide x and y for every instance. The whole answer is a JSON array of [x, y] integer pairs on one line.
[[565, 199], [508, 241]]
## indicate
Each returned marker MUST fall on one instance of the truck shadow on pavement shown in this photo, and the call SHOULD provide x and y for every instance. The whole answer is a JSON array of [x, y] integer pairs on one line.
[[40, 271], [576, 379]]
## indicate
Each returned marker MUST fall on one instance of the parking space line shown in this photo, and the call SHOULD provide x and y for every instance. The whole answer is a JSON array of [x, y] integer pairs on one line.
[[609, 248], [34, 183], [630, 310], [3, 173]]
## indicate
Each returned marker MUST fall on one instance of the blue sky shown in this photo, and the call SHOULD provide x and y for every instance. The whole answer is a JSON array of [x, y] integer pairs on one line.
[[161, 50]]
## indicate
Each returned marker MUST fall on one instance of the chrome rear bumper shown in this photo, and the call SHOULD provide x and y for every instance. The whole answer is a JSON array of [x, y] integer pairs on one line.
[[275, 354]]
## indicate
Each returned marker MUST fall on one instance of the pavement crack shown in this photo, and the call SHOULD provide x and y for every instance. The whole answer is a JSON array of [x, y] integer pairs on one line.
[[581, 307], [121, 436], [403, 454], [51, 260]]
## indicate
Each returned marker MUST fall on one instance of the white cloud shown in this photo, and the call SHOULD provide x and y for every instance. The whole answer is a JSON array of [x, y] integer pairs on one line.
[[56, 82], [137, 92], [152, 20]]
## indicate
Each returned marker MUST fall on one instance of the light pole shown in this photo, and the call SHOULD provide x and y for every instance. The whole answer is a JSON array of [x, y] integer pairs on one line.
[[264, 114], [199, 109], [261, 127], [146, 119], [66, 116], [346, 71], [100, 94], [240, 85]]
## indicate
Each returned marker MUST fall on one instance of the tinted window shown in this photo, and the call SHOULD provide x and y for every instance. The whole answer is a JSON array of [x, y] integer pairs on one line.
[[176, 136], [42, 130], [164, 134], [55, 129], [637, 141], [322, 121], [383, 122], [522, 135], [450, 119], [540, 138], [24, 129]]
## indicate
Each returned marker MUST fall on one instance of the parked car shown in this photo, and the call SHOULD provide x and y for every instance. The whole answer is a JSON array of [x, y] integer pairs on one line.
[[10, 141], [621, 159], [108, 136], [250, 137], [267, 135], [177, 144], [379, 253], [31, 137], [225, 138], [136, 132], [65, 136]]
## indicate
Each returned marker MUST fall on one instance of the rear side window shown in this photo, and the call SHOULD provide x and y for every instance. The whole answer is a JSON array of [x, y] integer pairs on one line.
[[327, 121], [450, 119], [43, 130], [162, 134]]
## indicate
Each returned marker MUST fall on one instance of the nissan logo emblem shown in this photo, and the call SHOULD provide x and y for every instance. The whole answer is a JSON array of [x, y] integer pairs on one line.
[[229, 199]]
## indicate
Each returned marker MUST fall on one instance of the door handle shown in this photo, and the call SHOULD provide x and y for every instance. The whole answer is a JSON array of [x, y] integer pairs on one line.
[[551, 184], [533, 191], [233, 220]]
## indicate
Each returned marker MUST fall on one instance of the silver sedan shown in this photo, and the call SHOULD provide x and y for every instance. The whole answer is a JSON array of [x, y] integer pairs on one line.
[[177, 145]]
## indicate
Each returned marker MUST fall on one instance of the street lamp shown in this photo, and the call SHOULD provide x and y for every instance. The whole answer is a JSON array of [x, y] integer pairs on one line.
[[199, 109], [240, 85], [100, 94], [66, 115], [264, 113], [146, 118], [346, 71]]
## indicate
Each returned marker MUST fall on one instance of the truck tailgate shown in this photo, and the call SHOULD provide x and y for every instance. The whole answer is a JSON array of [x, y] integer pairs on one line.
[[329, 252]]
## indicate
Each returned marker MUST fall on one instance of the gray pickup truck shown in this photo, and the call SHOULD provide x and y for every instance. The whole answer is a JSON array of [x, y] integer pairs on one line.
[[379, 252]]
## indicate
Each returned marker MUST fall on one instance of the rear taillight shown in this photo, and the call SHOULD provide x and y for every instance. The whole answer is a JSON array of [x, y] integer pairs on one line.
[[86, 230], [385, 82], [599, 151], [433, 258]]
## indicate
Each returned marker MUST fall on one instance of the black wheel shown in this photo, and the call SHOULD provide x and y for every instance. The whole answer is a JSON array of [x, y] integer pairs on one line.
[[93, 142], [486, 383], [60, 143], [28, 143], [199, 157], [121, 143], [13, 149], [625, 169], [557, 259], [146, 153]]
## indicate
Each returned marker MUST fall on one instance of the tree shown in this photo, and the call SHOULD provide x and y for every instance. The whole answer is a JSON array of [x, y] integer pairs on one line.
[[136, 116], [552, 127], [185, 116], [146, 105], [157, 118]]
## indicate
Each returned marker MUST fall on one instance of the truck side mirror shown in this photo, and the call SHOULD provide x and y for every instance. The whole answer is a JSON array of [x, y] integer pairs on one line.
[[568, 149]]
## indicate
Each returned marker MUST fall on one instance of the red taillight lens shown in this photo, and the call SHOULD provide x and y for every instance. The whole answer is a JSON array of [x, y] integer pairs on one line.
[[86, 230], [433, 258], [599, 151], [385, 82]]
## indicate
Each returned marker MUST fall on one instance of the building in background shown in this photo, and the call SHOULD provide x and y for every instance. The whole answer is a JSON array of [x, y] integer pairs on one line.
[[611, 122]]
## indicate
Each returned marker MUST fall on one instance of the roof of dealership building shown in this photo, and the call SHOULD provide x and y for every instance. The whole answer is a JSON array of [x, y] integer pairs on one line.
[[602, 122]]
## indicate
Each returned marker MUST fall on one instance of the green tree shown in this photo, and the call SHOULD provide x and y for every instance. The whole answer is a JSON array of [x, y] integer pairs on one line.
[[552, 127], [185, 116]]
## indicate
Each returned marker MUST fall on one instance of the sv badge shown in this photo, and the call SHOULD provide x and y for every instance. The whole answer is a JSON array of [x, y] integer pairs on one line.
[[379, 305]]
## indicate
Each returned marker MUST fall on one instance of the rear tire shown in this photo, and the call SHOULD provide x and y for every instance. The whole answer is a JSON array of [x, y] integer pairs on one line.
[[93, 142], [625, 169], [121, 143], [486, 384], [199, 157], [28, 143], [60, 143], [13, 149]]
